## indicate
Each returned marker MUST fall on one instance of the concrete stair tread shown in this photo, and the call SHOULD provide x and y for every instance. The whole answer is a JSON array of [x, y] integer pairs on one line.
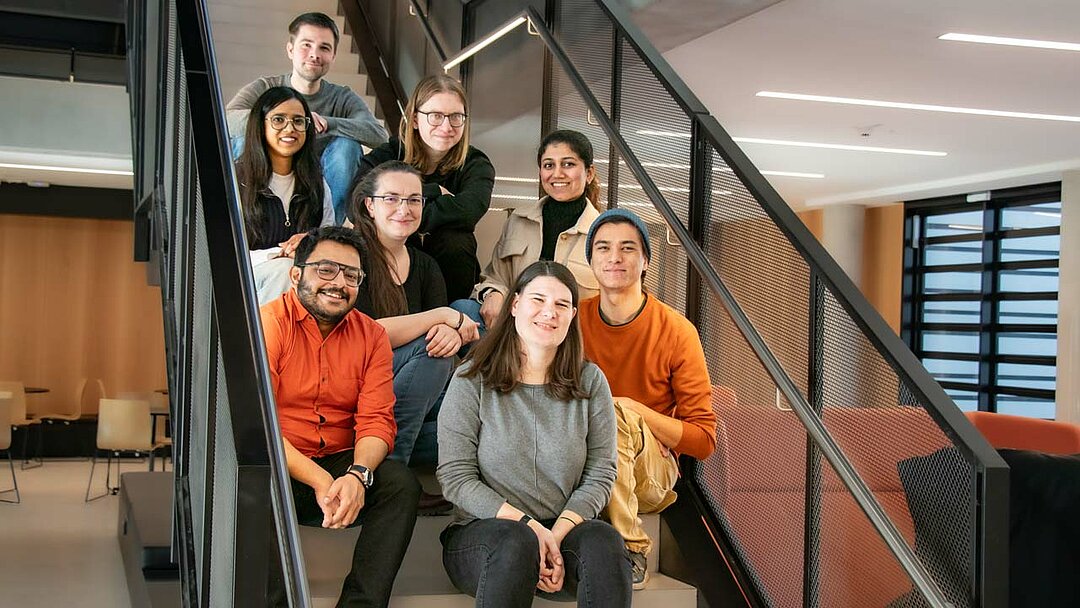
[[661, 591]]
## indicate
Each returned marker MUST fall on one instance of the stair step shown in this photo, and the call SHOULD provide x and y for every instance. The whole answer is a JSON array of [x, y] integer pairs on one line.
[[277, 17], [661, 592], [328, 555]]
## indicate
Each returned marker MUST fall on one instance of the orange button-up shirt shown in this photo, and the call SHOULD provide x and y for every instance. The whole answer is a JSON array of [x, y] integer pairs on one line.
[[329, 392]]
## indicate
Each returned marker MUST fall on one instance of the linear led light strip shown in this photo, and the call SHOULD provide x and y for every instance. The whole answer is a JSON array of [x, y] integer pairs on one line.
[[718, 169], [903, 105], [65, 169], [805, 144], [1035, 44], [478, 46]]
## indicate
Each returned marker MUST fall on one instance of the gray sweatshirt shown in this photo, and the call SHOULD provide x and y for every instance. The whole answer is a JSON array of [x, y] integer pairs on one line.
[[526, 448], [346, 114]]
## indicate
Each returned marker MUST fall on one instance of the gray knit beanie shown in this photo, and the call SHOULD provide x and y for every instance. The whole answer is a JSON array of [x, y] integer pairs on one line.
[[618, 215]]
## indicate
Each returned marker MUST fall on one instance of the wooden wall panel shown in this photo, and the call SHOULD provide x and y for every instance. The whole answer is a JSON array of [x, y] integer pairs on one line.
[[883, 261], [74, 305]]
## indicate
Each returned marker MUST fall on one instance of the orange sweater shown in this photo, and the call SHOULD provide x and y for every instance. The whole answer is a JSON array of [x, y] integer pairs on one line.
[[656, 359]]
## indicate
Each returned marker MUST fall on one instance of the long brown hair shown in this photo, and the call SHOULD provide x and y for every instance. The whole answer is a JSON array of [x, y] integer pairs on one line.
[[580, 145], [498, 359], [253, 167], [415, 152], [387, 296]]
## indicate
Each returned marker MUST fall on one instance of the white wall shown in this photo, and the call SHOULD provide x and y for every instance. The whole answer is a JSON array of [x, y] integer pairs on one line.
[[1068, 354]]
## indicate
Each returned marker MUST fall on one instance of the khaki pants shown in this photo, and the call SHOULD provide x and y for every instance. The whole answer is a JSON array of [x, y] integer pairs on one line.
[[647, 472]]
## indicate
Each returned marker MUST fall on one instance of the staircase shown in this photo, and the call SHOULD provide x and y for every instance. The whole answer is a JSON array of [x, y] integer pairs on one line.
[[803, 352], [250, 37]]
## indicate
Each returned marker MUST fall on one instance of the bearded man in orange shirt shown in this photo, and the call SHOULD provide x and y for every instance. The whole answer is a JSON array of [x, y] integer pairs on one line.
[[655, 365], [331, 371]]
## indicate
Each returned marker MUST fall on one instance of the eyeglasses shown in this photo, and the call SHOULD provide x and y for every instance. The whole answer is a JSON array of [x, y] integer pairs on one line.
[[436, 118], [393, 200], [278, 122], [328, 270]]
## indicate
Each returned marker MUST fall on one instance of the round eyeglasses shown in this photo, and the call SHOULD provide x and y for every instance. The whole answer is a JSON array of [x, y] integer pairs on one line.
[[436, 118], [328, 270], [279, 121]]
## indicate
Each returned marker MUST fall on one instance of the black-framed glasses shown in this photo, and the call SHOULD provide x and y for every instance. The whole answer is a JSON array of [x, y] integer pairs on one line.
[[328, 270], [279, 121], [393, 200], [436, 118]]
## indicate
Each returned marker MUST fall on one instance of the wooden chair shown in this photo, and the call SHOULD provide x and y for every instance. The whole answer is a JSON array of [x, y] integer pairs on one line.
[[5, 446], [21, 419], [124, 425]]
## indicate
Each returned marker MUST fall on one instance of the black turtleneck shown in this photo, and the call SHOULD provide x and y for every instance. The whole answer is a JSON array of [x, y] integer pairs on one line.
[[558, 218]]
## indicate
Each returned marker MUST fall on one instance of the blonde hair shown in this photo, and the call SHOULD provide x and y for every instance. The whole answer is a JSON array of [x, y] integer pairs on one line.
[[415, 152]]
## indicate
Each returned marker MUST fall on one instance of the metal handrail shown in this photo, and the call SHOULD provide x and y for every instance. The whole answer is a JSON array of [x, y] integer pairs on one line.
[[259, 440], [814, 426]]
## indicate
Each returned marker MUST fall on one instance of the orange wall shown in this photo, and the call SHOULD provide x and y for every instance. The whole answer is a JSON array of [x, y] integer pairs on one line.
[[74, 305], [883, 260]]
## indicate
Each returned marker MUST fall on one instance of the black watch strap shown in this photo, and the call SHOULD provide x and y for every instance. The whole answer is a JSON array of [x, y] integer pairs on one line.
[[525, 519]]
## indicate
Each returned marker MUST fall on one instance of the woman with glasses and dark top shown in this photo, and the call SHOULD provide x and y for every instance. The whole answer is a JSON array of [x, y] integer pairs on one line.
[[404, 292], [527, 456], [282, 191], [434, 138], [553, 228]]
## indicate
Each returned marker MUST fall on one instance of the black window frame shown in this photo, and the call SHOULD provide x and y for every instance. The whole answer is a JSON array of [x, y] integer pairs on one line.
[[992, 204]]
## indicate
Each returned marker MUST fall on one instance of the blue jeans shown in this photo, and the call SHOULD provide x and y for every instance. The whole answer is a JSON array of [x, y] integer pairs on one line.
[[419, 381], [497, 561], [470, 308], [339, 161]]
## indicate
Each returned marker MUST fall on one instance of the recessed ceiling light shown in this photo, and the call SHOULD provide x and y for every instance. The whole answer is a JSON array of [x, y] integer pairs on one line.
[[903, 105], [965, 227], [514, 197], [811, 144], [1035, 44], [64, 169], [794, 174]]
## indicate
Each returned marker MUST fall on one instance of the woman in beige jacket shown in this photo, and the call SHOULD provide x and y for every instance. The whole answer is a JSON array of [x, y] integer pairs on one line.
[[553, 228]]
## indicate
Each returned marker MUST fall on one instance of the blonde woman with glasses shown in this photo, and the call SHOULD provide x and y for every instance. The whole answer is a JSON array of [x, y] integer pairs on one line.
[[434, 139]]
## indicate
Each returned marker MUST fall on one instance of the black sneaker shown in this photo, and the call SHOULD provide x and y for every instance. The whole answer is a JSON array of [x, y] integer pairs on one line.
[[639, 570]]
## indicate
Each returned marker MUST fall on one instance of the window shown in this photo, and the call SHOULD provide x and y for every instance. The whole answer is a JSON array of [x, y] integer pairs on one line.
[[980, 296]]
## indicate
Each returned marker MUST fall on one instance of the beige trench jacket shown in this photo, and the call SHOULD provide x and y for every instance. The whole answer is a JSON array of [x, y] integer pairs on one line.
[[520, 243]]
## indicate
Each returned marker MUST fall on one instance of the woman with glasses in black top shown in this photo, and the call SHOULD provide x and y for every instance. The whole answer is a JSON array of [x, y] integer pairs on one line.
[[282, 191], [404, 292], [433, 137]]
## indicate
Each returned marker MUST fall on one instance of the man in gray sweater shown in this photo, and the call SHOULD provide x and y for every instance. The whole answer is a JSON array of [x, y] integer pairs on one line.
[[342, 120]]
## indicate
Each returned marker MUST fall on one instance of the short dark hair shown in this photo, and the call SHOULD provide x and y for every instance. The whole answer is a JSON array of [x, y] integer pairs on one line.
[[317, 20], [338, 234]]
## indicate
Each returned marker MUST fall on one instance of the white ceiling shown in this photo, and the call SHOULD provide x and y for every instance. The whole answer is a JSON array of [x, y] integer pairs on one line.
[[888, 50]]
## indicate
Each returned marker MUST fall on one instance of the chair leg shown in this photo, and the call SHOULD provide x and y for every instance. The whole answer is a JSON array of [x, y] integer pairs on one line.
[[28, 461], [14, 480], [90, 483]]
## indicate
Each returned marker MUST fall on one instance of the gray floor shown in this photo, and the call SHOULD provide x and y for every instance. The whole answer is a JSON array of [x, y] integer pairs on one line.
[[56, 550]]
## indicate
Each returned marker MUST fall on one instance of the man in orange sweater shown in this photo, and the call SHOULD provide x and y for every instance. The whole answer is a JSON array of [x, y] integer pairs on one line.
[[654, 362]]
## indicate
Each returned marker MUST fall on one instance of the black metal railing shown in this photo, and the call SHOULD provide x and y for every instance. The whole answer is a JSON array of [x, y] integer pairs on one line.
[[233, 506], [860, 450]]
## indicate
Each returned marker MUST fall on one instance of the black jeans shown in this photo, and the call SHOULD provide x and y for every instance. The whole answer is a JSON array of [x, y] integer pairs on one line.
[[497, 561], [388, 517]]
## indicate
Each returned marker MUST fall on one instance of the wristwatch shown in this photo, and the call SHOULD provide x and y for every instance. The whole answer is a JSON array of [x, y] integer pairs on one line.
[[367, 477]]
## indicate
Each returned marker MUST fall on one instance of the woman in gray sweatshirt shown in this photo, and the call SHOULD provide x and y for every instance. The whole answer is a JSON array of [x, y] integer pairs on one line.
[[527, 456]]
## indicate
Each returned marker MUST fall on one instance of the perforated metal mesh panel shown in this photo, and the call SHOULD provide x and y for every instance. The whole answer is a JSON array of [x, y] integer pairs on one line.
[[797, 527]]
